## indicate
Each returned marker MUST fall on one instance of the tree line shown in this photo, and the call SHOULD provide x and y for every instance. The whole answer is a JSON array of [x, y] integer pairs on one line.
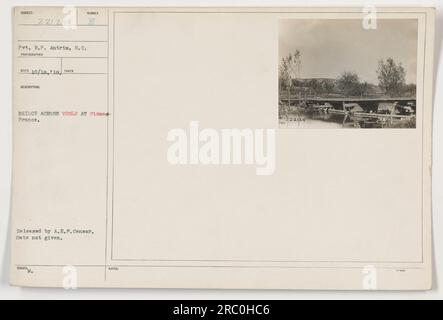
[[391, 80]]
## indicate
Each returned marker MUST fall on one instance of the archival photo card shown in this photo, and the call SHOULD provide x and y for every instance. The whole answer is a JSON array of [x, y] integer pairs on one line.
[[158, 148]]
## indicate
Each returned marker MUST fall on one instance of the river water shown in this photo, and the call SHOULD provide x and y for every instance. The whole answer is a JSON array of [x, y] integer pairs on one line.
[[317, 121]]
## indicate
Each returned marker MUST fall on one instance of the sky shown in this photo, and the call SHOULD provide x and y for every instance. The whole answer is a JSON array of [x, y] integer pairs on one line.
[[331, 46]]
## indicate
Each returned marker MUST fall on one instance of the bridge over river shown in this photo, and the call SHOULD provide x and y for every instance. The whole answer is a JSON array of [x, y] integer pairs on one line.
[[361, 112], [367, 104]]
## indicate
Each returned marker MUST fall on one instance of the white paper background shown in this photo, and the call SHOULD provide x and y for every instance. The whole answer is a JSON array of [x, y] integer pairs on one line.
[[7, 292]]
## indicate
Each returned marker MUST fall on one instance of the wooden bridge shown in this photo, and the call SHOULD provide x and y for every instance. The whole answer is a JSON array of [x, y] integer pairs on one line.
[[367, 104], [366, 112]]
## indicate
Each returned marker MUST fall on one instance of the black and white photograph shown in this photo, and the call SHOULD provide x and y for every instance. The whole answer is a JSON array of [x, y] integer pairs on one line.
[[345, 73]]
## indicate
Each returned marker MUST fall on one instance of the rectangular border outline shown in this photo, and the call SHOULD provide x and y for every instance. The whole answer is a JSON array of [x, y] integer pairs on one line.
[[425, 40]]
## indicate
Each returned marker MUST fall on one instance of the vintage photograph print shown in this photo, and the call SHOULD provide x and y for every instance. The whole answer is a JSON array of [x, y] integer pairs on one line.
[[342, 73]]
